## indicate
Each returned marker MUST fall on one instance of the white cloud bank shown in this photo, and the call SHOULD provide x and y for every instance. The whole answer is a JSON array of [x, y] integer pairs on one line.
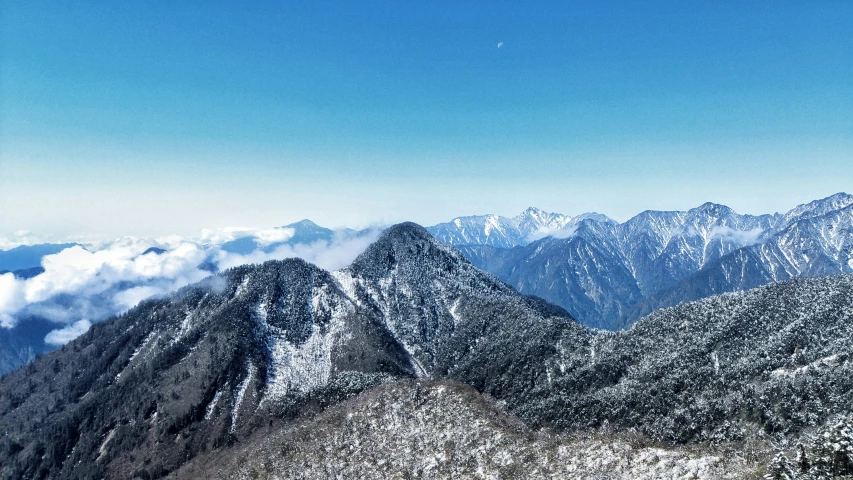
[[740, 237], [333, 255]]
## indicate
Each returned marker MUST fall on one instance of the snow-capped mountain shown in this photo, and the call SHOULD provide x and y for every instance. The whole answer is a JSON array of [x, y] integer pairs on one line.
[[481, 230], [819, 207], [500, 231], [252, 348], [454, 319], [819, 243], [533, 221], [260, 343], [604, 273]]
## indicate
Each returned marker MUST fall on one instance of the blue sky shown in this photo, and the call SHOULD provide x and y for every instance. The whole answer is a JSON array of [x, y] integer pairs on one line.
[[166, 117]]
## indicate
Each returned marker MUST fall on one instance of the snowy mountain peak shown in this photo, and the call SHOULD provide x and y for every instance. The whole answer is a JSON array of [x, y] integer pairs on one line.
[[304, 223], [402, 243], [532, 211], [306, 231], [595, 217], [533, 221], [713, 210]]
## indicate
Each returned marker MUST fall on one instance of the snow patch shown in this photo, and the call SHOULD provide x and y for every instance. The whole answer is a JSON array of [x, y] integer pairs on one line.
[[830, 361], [298, 368], [307, 366], [240, 394], [244, 285], [457, 319], [136, 352], [208, 411], [102, 450]]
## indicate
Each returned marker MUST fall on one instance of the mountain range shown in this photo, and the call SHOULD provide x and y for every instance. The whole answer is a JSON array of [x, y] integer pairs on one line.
[[604, 273], [503, 232], [609, 274], [261, 348], [498, 231]]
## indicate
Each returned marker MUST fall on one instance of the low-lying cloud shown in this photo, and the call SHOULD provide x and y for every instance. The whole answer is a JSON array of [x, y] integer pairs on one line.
[[562, 233], [61, 336], [333, 255], [740, 237]]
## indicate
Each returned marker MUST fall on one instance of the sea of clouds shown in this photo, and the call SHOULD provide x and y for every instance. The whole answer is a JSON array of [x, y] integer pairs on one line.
[[88, 283]]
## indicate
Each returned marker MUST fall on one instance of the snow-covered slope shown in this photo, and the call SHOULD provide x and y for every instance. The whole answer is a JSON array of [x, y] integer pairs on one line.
[[192, 371], [818, 207], [480, 230], [766, 363]]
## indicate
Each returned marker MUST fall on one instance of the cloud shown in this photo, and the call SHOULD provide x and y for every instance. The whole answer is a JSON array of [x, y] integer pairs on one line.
[[273, 235], [76, 270], [19, 238], [61, 336], [11, 298], [570, 228], [131, 297], [79, 283], [740, 237], [565, 232], [338, 253], [264, 236]]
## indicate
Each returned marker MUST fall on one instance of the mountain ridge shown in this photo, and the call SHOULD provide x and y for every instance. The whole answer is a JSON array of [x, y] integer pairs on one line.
[[664, 253]]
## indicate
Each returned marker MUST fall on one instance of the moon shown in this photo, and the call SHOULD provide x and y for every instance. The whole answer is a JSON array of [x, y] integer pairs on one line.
[[500, 44]]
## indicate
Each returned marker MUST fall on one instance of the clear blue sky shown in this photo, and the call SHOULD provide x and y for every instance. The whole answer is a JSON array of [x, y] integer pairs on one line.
[[146, 117]]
